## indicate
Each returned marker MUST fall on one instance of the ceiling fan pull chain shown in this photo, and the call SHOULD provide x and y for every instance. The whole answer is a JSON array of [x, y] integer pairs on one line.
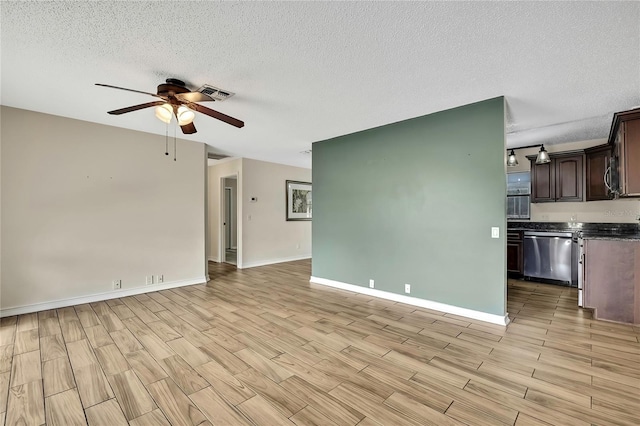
[[174, 142], [166, 140]]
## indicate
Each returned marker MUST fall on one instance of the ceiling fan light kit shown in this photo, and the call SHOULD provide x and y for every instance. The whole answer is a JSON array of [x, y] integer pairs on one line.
[[185, 115], [164, 113]]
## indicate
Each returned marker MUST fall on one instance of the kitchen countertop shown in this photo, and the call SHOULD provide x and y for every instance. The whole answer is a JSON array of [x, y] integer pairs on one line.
[[595, 231]]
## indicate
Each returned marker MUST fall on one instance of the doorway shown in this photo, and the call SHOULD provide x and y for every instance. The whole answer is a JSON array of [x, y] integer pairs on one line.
[[229, 246]]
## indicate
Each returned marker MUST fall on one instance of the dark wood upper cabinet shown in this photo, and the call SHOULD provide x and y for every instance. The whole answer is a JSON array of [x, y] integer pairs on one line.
[[559, 180], [542, 182], [598, 160], [625, 141]]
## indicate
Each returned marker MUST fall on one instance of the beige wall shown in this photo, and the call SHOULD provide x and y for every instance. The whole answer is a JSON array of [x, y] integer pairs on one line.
[[612, 211], [84, 204], [264, 236], [267, 236]]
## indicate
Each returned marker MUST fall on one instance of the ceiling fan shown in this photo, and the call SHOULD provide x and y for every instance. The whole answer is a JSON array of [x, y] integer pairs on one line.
[[177, 101]]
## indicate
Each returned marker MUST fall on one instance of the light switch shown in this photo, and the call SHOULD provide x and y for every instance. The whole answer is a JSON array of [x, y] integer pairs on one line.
[[495, 232]]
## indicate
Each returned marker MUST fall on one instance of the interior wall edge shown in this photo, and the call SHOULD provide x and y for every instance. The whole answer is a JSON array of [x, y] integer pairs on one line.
[[422, 303], [98, 297]]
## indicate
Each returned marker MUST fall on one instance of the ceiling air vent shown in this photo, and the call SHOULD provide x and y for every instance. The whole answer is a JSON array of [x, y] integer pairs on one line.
[[215, 156], [215, 93]]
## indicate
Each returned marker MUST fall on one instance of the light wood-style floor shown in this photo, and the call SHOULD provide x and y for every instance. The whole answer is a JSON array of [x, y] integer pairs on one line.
[[262, 346]]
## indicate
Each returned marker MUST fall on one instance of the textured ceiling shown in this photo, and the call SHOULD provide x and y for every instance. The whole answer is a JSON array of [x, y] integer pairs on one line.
[[304, 72]]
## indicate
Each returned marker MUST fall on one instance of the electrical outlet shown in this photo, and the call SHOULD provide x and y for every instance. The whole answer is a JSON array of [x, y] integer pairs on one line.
[[149, 279], [117, 284], [160, 279], [371, 284], [407, 288]]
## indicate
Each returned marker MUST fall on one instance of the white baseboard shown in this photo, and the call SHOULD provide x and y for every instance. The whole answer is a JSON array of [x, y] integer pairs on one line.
[[37, 307], [214, 259], [423, 303], [246, 265]]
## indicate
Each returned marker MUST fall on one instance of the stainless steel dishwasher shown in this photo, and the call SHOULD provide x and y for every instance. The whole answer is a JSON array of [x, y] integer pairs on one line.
[[551, 256]]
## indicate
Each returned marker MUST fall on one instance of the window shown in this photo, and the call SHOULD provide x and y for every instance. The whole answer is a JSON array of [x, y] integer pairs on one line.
[[518, 195]]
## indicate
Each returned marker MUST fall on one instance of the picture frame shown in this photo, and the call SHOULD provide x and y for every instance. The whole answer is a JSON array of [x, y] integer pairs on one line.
[[298, 199]]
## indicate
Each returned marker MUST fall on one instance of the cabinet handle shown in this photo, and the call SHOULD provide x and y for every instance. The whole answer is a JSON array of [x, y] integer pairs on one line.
[[606, 181]]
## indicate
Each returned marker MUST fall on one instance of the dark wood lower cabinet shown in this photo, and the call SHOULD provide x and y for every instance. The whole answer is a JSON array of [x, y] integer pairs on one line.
[[515, 258], [612, 280]]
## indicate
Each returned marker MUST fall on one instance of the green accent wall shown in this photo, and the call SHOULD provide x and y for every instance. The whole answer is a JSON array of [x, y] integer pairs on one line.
[[414, 202]]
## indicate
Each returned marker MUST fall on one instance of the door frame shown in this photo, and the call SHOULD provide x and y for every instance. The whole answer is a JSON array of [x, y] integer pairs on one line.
[[221, 215]]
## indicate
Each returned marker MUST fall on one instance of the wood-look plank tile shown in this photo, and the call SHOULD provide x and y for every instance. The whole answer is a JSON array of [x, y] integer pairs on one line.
[[164, 331], [228, 386], [155, 346], [154, 418], [193, 355], [182, 374], [145, 367], [6, 357], [465, 414], [27, 322], [26, 404], [526, 420], [371, 405], [26, 368], [216, 409], [126, 341], [92, 384], [57, 376], [26, 341], [72, 331], [111, 359], [4, 391], [309, 416], [64, 409], [264, 365], [333, 408], [131, 394], [232, 362], [175, 405], [98, 336], [81, 354], [261, 412], [106, 413], [49, 327], [287, 403], [52, 347]]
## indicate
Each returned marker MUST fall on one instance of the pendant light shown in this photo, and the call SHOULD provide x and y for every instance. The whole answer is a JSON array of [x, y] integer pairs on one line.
[[164, 113], [512, 161], [543, 156]]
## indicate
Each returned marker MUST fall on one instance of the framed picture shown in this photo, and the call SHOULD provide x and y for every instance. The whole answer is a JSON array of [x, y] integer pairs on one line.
[[298, 200]]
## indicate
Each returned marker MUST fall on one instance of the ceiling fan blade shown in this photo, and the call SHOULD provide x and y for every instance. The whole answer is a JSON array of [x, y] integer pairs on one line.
[[215, 114], [130, 90], [194, 97], [135, 108], [188, 129]]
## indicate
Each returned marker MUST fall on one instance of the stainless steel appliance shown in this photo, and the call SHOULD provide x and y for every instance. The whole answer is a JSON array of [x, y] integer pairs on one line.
[[551, 256]]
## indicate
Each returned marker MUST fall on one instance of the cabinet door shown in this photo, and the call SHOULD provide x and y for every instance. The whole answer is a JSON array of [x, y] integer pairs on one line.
[[631, 158], [514, 257], [596, 167], [543, 182], [568, 178]]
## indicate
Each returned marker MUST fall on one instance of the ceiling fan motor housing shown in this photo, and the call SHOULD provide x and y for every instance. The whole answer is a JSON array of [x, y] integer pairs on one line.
[[172, 86]]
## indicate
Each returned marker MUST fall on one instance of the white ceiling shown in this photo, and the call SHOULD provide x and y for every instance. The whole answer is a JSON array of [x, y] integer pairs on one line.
[[304, 72]]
